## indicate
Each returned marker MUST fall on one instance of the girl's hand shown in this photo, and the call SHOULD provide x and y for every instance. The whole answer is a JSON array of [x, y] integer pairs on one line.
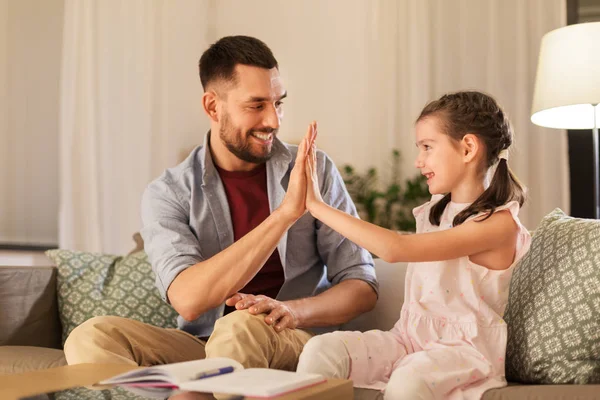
[[293, 204], [313, 194]]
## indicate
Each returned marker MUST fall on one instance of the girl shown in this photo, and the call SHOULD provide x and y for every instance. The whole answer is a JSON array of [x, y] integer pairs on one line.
[[450, 339]]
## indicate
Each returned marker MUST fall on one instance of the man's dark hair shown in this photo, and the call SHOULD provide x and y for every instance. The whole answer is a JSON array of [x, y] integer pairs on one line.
[[219, 61]]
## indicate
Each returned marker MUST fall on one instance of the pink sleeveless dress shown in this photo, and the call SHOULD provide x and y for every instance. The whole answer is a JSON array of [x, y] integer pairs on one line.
[[450, 333]]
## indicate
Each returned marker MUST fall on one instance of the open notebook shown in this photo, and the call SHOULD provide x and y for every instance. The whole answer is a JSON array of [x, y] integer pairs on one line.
[[214, 375]]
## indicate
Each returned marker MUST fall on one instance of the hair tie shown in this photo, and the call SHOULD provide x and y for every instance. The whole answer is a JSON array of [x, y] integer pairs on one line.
[[492, 170]]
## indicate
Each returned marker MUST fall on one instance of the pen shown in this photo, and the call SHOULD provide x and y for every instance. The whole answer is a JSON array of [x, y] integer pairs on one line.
[[214, 372]]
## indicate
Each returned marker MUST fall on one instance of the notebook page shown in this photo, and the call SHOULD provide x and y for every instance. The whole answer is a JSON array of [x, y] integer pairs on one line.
[[175, 373], [257, 382]]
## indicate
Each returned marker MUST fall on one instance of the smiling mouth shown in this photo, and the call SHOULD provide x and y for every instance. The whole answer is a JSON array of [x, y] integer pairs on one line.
[[429, 175], [263, 136]]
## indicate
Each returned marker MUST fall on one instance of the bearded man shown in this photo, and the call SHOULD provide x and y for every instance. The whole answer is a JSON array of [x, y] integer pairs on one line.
[[251, 274]]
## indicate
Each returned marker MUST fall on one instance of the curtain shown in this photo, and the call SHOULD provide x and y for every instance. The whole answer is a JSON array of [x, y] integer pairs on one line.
[[129, 108], [431, 47], [365, 69], [130, 93], [30, 44]]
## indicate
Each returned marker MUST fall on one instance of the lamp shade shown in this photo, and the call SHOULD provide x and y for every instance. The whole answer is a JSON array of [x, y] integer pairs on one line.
[[567, 83]]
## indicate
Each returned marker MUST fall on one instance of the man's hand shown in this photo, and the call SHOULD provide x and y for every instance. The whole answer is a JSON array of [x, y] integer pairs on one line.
[[293, 204], [280, 314]]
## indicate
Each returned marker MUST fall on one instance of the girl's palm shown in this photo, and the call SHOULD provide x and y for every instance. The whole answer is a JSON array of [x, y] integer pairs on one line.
[[313, 193]]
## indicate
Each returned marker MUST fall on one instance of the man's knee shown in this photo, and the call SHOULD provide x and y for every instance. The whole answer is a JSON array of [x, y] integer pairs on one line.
[[326, 355], [239, 326], [405, 385], [88, 342], [243, 337], [239, 323]]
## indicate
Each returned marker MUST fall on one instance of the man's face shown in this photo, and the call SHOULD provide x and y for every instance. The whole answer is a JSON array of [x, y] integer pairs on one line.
[[251, 113]]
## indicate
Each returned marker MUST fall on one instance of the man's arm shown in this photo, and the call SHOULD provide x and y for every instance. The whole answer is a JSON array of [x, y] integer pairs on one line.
[[229, 271], [208, 283], [335, 306]]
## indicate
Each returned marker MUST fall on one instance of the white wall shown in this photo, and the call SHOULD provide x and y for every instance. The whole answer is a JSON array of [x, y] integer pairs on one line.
[[30, 48], [328, 83]]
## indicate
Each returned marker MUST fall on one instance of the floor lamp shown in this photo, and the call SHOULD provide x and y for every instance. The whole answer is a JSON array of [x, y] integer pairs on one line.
[[567, 85]]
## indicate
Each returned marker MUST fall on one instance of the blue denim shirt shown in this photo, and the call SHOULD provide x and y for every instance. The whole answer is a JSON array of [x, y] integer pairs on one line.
[[186, 220]]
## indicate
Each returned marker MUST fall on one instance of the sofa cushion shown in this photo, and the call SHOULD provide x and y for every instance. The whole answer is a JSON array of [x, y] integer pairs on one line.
[[92, 284], [28, 308], [545, 392], [553, 313], [17, 359]]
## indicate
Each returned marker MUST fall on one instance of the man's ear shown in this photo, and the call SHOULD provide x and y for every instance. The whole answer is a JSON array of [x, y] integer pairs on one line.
[[471, 147], [210, 101]]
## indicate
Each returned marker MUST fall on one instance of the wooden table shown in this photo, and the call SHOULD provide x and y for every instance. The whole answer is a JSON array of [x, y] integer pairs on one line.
[[16, 386]]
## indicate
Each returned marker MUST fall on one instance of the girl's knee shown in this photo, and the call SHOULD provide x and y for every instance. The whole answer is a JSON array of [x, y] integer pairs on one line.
[[326, 355], [405, 385]]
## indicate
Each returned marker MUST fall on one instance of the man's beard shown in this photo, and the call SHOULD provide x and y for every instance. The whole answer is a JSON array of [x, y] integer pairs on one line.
[[239, 145]]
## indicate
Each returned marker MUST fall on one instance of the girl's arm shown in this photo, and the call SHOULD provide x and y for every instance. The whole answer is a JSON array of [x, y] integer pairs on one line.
[[467, 239]]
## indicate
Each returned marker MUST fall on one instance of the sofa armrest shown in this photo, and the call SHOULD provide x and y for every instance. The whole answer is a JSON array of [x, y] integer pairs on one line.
[[28, 307], [391, 296]]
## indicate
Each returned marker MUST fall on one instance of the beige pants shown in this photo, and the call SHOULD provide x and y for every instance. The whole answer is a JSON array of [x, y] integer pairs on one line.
[[239, 335]]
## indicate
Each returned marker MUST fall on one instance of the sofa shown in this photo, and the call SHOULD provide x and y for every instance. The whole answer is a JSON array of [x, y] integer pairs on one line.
[[30, 328]]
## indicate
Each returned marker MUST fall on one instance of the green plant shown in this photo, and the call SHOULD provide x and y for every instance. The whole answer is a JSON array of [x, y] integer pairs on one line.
[[387, 204]]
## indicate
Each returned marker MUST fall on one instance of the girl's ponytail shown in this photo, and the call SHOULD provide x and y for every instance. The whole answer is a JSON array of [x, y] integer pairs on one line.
[[505, 187]]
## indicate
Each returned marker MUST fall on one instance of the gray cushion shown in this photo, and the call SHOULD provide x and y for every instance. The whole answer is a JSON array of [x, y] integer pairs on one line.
[[516, 392], [28, 307], [17, 359], [553, 313], [545, 392]]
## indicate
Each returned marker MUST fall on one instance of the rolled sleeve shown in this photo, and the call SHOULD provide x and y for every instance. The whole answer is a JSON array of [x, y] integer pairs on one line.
[[344, 259], [168, 240]]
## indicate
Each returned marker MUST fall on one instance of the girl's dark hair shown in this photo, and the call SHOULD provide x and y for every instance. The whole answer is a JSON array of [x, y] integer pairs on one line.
[[477, 113]]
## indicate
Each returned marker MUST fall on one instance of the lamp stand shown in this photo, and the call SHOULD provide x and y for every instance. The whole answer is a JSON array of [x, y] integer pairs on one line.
[[596, 167]]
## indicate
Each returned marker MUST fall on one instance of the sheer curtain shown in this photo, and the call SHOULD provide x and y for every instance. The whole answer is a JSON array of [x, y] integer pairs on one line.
[[30, 42], [428, 48], [365, 69], [129, 107], [130, 94]]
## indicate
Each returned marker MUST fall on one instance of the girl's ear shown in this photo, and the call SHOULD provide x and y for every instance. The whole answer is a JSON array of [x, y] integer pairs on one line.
[[471, 147]]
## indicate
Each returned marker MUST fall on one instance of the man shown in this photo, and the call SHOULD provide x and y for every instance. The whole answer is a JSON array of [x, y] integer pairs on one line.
[[250, 273]]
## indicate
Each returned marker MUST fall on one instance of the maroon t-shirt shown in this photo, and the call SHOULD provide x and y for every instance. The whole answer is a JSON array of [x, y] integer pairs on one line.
[[249, 206]]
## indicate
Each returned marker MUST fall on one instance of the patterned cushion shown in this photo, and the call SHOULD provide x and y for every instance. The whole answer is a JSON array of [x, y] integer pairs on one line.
[[114, 393], [553, 313], [91, 284]]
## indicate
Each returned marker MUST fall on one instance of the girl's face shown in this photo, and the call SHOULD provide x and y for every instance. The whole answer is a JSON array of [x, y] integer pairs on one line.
[[440, 157]]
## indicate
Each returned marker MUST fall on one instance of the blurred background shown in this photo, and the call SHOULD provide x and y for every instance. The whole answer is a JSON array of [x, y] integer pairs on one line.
[[97, 98]]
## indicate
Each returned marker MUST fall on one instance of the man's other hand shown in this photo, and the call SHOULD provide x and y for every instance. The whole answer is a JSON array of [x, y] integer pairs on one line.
[[280, 314]]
